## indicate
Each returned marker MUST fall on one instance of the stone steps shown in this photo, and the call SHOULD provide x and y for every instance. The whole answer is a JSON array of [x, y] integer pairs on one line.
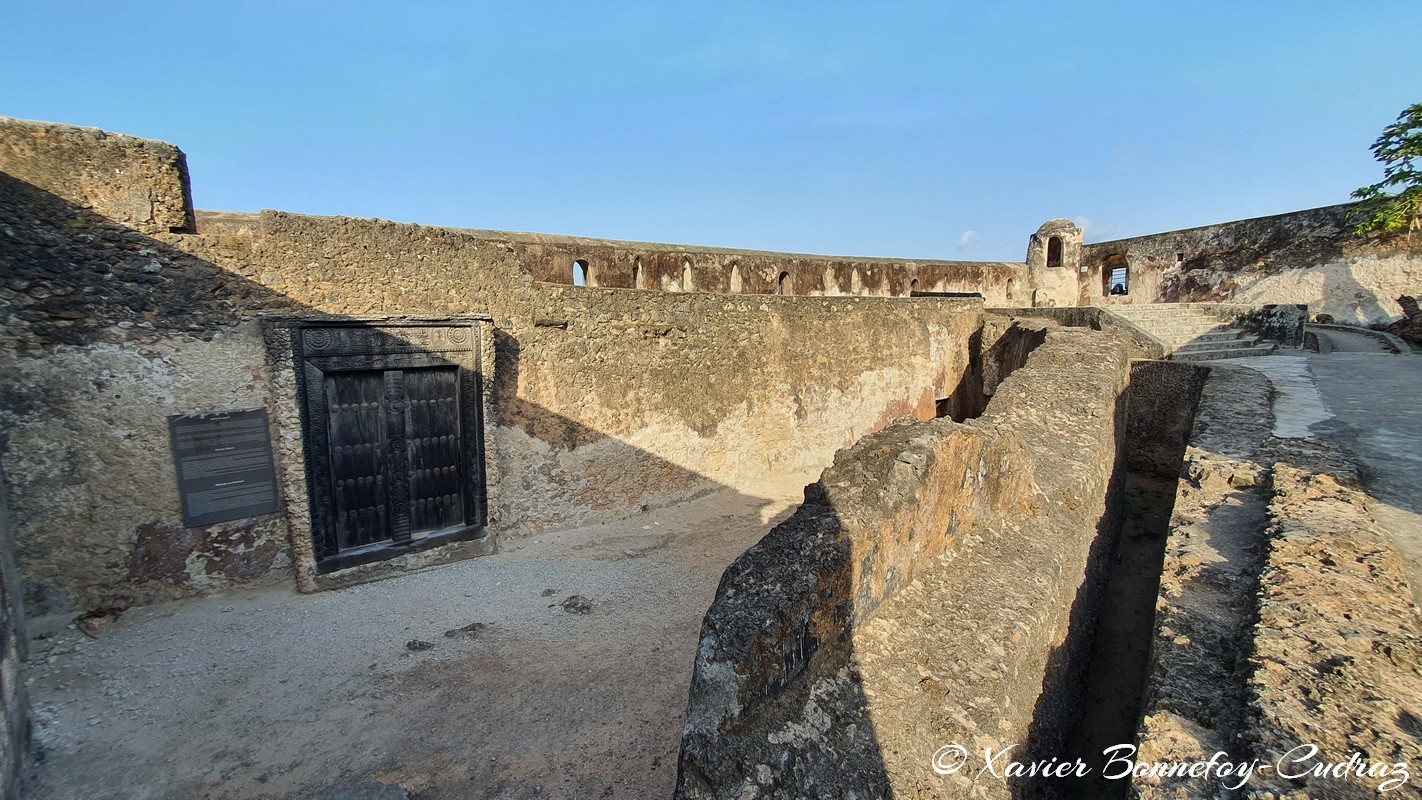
[[1214, 345], [1237, 352], [1191, 334]]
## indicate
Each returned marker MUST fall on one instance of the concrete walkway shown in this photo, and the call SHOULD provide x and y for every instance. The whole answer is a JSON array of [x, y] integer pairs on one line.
[[1367, 402], [1348, 342]]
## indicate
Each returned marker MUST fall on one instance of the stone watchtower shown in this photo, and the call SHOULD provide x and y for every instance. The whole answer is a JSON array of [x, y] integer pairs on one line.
[[1053, 263]]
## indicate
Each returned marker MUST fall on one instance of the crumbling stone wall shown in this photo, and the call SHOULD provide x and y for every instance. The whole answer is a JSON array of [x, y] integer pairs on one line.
[[137, 182], [107, 331], [823, 669], [689, 392], [1095, 318], [601, 401], [663, 267], [1278, 323], [1306, 257]]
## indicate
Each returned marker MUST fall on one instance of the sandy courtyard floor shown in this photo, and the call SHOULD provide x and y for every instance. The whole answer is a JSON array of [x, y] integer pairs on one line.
[[270, 694]]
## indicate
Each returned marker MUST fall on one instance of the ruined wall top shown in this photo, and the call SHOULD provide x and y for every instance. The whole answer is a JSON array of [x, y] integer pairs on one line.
[[136, 182]]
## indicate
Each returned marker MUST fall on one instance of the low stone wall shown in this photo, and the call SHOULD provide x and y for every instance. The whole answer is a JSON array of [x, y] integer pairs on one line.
[[1336, 648], [824, 669], [1279, 323], [1306, 257], [1285, 633], [1393, 343], [1095, 318]]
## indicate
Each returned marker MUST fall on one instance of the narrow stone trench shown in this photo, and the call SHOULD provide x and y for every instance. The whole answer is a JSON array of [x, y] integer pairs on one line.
[[1161, 409], [1116, 677]]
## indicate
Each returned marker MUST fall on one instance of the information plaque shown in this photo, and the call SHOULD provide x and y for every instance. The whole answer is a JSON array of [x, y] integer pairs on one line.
[[224, 463]]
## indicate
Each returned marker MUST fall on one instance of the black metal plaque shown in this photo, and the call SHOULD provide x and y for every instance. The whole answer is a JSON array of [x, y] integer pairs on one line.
[[225, 467]]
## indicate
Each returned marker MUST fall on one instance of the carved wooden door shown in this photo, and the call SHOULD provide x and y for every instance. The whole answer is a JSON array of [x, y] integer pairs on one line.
[[395, 457]]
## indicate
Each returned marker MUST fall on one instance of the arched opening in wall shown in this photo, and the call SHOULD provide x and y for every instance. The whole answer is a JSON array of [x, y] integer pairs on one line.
[[1011, 289], [856, 282], [1118, 276], [1054, 251], [737, 283], [783, 284], [686, 283], [580, 273], [637, 279], [830, 281], [913, 286]]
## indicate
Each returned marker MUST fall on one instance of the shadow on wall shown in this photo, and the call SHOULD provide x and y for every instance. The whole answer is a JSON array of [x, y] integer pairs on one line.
[[1340, 283], [806, 664], [779, 703], [1059, 707], [829, 664], [112, 331]]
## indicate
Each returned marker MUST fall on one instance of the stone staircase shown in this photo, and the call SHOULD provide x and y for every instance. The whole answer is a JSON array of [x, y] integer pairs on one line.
[[1190, 333]]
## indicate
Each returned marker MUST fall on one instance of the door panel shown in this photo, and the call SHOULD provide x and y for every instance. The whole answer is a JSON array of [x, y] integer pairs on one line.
[[434, 449], [369, 412], [357, 454]]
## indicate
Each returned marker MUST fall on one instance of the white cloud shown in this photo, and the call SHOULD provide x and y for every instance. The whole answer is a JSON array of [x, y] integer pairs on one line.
[[1094, 230], [967, 239]]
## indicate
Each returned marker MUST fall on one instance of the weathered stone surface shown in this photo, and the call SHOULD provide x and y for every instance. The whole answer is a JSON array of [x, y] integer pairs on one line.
[[14, 707], [822, 669], [1307, 257], [664, 267], [137, 182], [1194, 703], [1053, 259], [1337, 650], [632, 399], [363, 790], [1285, 634]]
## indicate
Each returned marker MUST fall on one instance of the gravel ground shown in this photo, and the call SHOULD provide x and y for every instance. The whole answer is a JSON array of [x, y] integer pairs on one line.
[[557, 668]]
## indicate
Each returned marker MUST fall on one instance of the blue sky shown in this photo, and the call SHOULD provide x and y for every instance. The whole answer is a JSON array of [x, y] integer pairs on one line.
[[913, 129]]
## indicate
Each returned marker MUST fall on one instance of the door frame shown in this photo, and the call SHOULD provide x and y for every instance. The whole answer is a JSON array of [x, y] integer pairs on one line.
[[328, 346]]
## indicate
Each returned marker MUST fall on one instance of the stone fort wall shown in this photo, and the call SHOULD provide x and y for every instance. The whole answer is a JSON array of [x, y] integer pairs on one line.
[[1307, 257], [936, 565], [601, 400]]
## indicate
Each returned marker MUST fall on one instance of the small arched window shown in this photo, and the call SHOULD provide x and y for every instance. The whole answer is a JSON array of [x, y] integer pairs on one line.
[[1117, 273], [913, 286], [1054, 251], [580, 273], [783, 284], [737, 282], [686, 282], [637, 279], [1011, 288]]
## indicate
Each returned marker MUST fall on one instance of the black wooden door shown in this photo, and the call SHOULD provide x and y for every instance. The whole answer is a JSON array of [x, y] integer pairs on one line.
[[358, 457], [395, 454], [433, 449]]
